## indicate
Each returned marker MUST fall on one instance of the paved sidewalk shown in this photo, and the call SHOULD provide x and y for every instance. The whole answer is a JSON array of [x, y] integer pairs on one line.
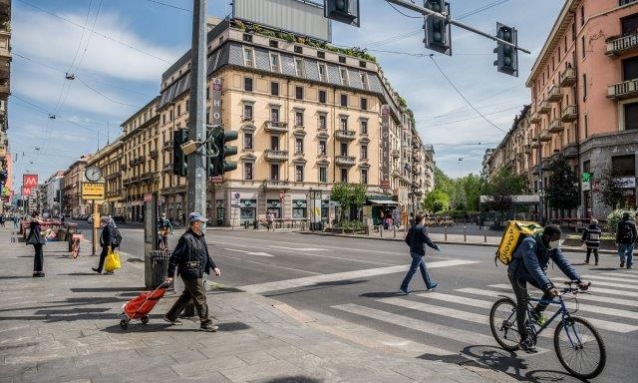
[[65, 328]]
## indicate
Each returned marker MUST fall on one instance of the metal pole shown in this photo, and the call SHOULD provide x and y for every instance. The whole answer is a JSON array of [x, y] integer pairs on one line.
[[197, 107], [427, 12]]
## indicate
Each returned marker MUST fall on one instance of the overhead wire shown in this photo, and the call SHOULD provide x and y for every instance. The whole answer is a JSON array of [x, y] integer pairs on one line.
[[169, 5], [77, 50]]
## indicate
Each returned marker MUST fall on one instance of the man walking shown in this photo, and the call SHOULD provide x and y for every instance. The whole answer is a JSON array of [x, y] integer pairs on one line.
[[418, 237], [591, 237], [626, 235], [192, 260]]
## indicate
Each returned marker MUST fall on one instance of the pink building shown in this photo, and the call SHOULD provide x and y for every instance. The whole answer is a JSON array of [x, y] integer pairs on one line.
[[584, 97]]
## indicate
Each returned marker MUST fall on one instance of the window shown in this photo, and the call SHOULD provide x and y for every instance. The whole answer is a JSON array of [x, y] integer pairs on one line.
[[299, 173], [322, 148], [298, 145], [364, 103], [248, 84], [179, 110], [248, 112], [274, 114], [299, 92], [298, 49], [248, 57], [584, 86], [344, 175], [274, 143], [586, 127], [364, 152], [342, 59], [248, 141], [322, 72], [362, 64], [344, 149], [631, 116], [630, 69], [629, 25], [344, 76], [248, 171], [274, 62], [323, 174], [322, 96], [273, 43], [624, 166], [299, 67], [248, 38], [274, 172], [321, 55], [582, 15], [364, 176], [323, 122], [344, 100], [343, 123], [298, 118], [583, 47], [364, 127], [274, 89]]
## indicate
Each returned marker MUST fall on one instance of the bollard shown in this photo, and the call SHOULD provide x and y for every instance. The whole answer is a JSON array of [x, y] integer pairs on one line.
[[395, 231], [445, 232], [381, 230], [464, 233], [485, 234]]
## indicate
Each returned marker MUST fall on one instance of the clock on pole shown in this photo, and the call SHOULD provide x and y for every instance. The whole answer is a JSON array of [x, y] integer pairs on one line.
[[93, 173]]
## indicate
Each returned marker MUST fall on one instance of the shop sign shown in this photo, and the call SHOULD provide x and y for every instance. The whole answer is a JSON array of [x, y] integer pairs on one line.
[[626, 182], [586, 186], [92, 191]]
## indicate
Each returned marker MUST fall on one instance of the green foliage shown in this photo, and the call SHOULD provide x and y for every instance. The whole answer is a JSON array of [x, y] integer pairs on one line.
[[616, 216], [356, 225], [611, 191], [504, 185], [562, 191], [348, 195], [436, 200]]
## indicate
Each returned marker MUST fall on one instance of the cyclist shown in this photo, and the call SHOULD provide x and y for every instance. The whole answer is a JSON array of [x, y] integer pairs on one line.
[[164, 228], [529, 265]]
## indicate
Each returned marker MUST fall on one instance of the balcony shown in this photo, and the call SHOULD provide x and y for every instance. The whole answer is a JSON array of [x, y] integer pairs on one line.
[[153, 154], [567, 77], [570, 151], [396, 153], [623, 90], [276, 184], [277, 155], [322, 134], [545, 135], [4, 89], [569, 114], [554, 94], [167, 145], [299, 129], [622, 45], [396, 173], [535, 119], [544, 107], [347, 135], [546, 164], [556, 126], [345, 160], [276, 126]]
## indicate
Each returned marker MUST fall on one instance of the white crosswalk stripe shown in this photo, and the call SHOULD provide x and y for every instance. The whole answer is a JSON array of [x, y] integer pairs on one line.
[[600, 290], [629, 277], [608, 278]]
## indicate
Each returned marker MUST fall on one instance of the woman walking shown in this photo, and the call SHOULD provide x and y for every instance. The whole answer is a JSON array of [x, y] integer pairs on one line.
[[107, 241], [36, 239]]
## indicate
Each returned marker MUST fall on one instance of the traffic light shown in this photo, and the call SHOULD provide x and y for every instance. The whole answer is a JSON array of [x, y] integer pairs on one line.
[[438, 34], [345, 11], [217, 151], [506, 55], [180, 160]]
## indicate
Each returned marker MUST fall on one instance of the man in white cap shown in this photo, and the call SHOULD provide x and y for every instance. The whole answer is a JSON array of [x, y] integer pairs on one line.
[[192, 260]]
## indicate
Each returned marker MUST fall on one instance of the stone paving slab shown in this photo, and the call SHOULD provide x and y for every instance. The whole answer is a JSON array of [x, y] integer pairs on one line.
[[65, 328]]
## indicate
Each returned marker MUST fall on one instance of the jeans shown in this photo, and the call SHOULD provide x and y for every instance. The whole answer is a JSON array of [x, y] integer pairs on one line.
[[628, 251], [417, 263], [520, 291]]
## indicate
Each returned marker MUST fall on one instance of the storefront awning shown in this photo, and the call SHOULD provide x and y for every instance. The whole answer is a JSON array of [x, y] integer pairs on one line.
[[382, 202]]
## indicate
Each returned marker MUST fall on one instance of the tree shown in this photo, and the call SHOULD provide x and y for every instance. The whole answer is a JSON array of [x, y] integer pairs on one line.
[[562, 191], [436, 200], [611, 192], [349, 196], [504, 185], [474, 186]]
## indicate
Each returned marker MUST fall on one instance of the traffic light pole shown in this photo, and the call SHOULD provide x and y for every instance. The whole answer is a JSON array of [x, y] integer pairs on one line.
[[427, 12], [197, 108]]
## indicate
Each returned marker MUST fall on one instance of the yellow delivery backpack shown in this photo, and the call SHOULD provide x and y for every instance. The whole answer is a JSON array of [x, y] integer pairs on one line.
[[515, 232]]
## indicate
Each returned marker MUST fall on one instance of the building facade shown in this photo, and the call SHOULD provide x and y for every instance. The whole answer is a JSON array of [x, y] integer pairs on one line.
[[5, 91], [72, 202]]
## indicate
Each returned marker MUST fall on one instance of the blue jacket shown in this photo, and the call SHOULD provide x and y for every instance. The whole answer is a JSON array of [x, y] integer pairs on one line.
[[416, 238], [530, 261]]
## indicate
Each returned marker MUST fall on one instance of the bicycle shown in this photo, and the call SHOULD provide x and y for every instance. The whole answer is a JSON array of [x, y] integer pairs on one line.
[[578, 345]]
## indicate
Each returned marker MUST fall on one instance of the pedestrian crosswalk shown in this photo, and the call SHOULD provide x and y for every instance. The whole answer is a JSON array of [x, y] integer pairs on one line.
[[462, 314]]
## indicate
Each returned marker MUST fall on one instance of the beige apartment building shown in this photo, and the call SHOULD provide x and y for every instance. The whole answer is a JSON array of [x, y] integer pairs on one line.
[[584, 101], [73, 204], [5, 91]]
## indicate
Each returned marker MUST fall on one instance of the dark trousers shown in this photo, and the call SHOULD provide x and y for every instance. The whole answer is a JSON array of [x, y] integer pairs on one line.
[[103, 254], [417, 263], [193, 290], [589, 251], [520, 291], [38, 259]]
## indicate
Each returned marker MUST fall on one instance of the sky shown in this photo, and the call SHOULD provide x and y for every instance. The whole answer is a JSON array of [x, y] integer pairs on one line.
[[117, 50]]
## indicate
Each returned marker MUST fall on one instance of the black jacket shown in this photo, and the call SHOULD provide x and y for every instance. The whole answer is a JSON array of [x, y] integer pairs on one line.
[[190, 248], [416, 238], [107, 238], [591, 236], [632, 227]]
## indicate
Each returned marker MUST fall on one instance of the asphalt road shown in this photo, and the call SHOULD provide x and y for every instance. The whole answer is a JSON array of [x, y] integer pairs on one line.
[[357, 281]]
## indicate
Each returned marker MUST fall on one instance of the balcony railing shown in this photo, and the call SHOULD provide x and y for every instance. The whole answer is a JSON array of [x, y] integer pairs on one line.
[[569, 114], [544, 107], [554, 94], [535, 119], [4, 88], [396, 153], [275, 184], [277, 155], [570, 151], [622, 45], [568, 77], [556, 126], [623, 90], [276, 126], [345, 160], [545, 135], [345, 134]]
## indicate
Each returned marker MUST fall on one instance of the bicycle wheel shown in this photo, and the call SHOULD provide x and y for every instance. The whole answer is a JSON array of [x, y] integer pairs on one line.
[[579, 348], [503, 324]]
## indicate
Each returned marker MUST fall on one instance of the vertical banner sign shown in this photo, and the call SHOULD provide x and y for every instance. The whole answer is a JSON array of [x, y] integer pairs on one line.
[[385, 146], [29, 182], [217, 102]]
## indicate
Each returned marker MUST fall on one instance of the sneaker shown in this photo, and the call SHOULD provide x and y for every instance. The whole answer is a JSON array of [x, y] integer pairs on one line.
[[540, 319], [528, 346], [109, 272], [587, 262], [433, 286], [209, 327], [629, 267], [404, 290], [174, 322], [622, 263]]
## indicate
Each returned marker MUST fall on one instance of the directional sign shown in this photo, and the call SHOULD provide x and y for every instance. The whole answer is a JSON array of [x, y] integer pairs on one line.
[[92, 191]]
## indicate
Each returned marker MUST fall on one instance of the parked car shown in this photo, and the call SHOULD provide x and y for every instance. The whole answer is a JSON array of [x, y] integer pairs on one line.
[[119, 219]]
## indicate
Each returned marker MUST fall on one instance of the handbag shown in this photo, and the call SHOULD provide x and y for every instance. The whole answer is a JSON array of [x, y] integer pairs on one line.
[[112, 261], [31, 239]]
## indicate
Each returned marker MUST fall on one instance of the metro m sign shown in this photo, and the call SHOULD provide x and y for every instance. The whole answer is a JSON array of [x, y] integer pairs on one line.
[[30, 180]]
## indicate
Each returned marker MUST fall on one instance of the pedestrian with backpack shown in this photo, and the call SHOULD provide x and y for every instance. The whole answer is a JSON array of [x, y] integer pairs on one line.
[[626, 235], [418, 237], [591, 237]]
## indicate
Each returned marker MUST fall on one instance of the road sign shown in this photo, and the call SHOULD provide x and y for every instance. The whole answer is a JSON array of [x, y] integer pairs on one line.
[[237, 195], [216, 179], [92, 191]]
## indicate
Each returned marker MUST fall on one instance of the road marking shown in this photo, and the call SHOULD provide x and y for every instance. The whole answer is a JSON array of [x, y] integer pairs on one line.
[[459, 335], [632, 278], [613, 279], [322, 278], [300, 248], [258, 253], [622, 293], [603, 324]]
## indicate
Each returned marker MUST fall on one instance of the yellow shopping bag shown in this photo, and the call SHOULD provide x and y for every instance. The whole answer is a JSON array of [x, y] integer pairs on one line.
[[112, 261]]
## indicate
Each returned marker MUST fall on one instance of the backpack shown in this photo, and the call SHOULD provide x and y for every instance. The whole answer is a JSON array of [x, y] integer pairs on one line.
[[625, 234], [117, 241], [514, 233]]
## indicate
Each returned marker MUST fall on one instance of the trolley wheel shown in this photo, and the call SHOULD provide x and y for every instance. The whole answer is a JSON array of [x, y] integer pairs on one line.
[[144, 319], [124, 324]]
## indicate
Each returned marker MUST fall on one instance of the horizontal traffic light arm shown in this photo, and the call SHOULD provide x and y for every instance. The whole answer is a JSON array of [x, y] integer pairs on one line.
[[427, 12]]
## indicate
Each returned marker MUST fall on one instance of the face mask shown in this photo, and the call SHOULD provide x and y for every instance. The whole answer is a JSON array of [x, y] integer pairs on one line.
[[554, 244]]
